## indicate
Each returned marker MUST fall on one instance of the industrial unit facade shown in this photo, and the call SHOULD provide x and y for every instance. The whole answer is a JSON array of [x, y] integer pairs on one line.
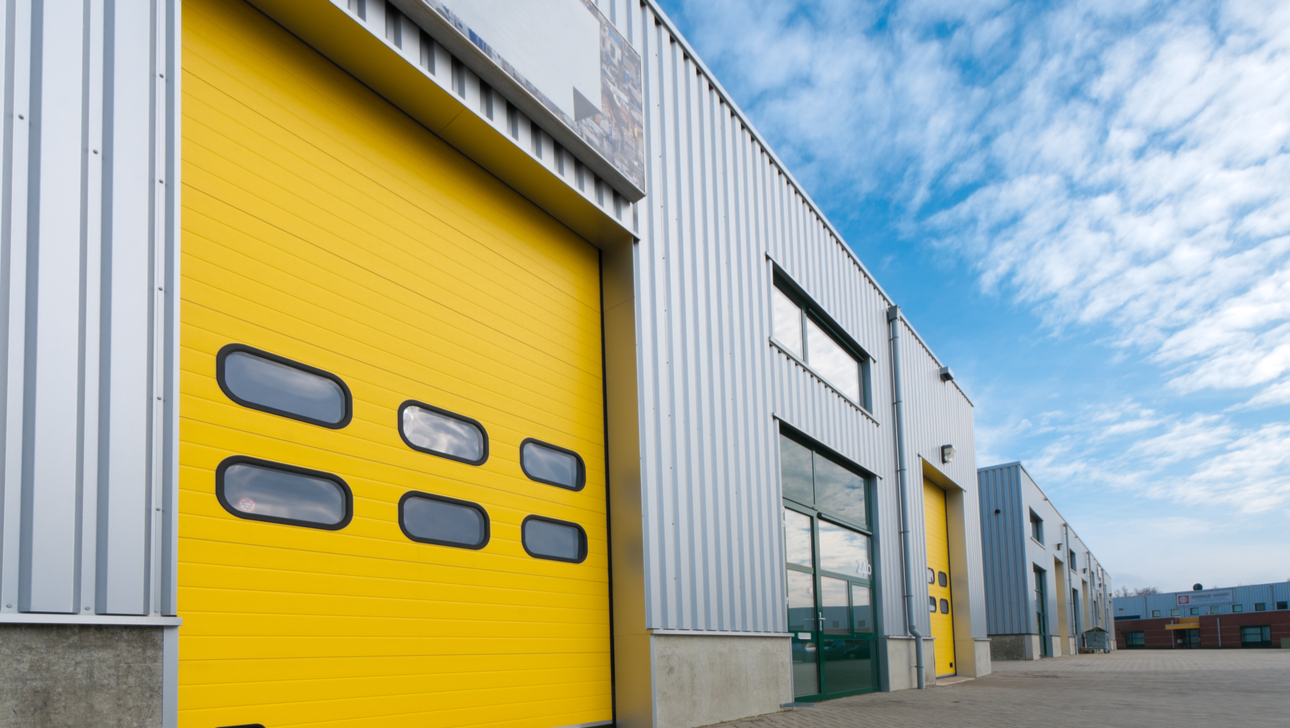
[[1239, 616], [446, 362], [1044, 588]]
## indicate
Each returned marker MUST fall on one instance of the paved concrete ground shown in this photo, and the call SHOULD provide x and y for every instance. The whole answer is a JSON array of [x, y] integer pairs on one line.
[[1129, 689]]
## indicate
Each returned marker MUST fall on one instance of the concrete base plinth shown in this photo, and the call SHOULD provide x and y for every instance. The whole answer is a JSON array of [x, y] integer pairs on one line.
[[701, 680], [72, 676], [902, 669], [1015, 647]]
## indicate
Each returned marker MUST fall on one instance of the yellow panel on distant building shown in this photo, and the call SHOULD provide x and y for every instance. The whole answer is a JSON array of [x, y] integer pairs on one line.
[[326, 229]]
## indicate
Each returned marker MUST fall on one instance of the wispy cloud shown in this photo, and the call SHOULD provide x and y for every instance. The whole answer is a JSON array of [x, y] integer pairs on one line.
[[1119, 167]]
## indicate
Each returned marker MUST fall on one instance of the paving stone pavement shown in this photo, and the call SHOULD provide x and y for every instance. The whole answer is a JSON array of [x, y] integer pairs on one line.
[[1126, 689]]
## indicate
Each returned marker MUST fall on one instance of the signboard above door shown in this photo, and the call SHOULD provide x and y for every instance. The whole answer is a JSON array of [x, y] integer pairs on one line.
[[572, 60]]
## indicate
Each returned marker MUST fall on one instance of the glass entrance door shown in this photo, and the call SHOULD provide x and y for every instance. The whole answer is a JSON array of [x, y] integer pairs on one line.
[[830, 608], [828, 549]]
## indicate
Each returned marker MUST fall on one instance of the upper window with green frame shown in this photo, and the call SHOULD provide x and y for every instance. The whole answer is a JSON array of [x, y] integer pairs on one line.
[[820, 481], [803, 329]]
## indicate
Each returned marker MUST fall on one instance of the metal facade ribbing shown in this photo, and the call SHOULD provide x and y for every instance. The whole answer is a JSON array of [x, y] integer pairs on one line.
[[1008, 573], [89, 209], [1247, 596], [1012, 553], [939, 414], [719, 212]]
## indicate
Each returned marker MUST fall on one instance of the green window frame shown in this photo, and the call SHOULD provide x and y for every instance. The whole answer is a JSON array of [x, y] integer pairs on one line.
[[1236, 608], [1256, 636], [830, 553]]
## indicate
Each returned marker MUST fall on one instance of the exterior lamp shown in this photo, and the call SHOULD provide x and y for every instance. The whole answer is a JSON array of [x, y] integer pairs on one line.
[[947, 454]]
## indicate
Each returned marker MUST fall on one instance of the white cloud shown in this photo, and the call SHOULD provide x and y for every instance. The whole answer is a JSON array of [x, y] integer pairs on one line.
[[1126, 164], [1119, 167]]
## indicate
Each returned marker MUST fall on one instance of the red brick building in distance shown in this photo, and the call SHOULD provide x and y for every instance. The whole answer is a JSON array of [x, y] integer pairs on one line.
[[1244, 616]]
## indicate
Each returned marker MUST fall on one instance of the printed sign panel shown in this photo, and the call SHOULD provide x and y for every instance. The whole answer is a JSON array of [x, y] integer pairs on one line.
[[572, 59], [1205, 598]]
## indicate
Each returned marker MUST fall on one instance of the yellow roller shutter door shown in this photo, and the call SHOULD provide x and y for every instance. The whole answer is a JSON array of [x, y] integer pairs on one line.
[[322, 225], [938, 587]]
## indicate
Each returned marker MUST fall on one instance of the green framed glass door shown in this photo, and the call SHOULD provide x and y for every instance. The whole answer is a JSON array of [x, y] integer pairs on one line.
[[830, 607], [828, 550]]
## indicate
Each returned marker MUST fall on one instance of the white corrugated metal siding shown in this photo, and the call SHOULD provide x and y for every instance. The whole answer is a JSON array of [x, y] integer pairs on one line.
[[88, 208], [718, 205]]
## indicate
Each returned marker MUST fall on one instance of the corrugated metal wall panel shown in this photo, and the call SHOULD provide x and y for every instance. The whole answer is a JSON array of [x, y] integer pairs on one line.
[[88, 220], [939, 414], [1247, 596], [717, 205], [1010, 555], [1008, 576]]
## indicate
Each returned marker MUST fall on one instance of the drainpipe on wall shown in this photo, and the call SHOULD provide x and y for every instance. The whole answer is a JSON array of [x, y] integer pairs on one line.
[[893, 318], [1066, 559]]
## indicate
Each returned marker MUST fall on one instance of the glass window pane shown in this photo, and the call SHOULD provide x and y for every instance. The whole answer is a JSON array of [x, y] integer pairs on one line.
[[832, 362], [267, 382], [848, 664], [806, 675], [430, 429], [945, 606], [445, 521], [839, 491], [797, 539], [931, 604], [844, 551], [795, 471], [557, 540], [554, 466], [787, 324], [801, 602], [833, 605], [265, 491], [861, 608]]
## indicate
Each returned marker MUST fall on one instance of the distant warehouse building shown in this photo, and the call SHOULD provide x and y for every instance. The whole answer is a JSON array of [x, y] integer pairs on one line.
[[452, 363], [1239, 616], [1044, 588]]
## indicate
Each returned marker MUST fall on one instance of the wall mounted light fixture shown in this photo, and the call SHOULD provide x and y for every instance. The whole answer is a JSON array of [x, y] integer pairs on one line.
[[947, 454]]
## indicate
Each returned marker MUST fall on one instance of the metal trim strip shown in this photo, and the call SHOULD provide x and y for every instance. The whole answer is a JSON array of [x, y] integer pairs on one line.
[[124, 620]]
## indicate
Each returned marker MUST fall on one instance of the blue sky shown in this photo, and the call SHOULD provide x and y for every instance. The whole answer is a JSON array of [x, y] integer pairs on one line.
[[1085, 209]]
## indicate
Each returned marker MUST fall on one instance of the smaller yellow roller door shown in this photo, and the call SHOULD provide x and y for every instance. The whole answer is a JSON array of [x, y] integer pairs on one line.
[[938, 575]]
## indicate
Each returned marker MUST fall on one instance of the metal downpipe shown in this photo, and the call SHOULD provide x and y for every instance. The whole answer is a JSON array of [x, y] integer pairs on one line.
[[893, 319]]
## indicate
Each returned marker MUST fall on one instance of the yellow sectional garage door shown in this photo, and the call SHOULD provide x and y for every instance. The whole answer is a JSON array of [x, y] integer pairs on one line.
[[940, 605], [341, 243]]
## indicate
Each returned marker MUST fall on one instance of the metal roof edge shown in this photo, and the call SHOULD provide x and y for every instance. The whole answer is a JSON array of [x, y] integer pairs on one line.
[[1001, 466]]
